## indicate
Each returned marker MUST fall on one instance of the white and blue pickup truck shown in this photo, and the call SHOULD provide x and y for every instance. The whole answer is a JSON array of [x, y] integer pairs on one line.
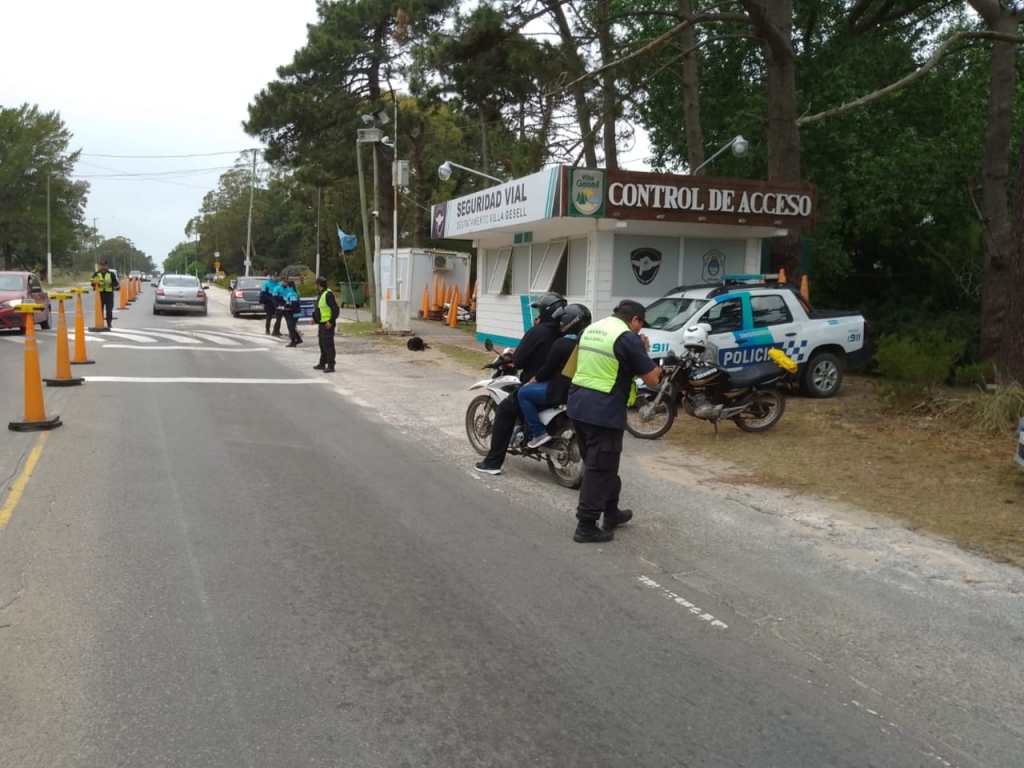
[[750, 314]]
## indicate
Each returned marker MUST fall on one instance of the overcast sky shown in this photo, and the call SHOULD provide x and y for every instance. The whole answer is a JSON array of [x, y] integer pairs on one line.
[[138, 78]]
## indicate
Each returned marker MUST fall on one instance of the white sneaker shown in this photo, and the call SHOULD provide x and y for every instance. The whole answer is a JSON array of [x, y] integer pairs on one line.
[[537, 442]]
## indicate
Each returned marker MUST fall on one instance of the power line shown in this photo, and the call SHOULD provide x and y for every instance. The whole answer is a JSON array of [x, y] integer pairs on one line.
[[166, 157]]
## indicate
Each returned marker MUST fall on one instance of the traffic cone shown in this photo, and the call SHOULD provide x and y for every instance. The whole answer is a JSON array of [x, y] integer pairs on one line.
[[805, 288], [435, 305], [387, 295], [98, 325], [80, 357], [426, 302], [64, 377], [782, 276], [453, 309], [123, 296], [35, 411]]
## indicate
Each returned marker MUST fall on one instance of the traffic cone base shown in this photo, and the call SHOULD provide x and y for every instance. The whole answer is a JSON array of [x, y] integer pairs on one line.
[[83, 362], [73, 381], [35, 426]]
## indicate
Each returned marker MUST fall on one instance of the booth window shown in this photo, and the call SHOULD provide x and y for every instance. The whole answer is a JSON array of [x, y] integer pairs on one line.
[[545, 261], [520, 269], [769, 310], [725, 317], [570, 278], [498, 270]]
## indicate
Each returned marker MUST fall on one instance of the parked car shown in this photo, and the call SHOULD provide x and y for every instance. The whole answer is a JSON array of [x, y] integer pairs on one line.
[[135, 274], [180, 293], [155, 281], [17, 288], [751, 314], [245, 298]]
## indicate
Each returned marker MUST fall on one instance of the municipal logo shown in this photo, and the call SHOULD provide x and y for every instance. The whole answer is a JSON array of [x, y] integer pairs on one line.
[[645, 263], [586, 192], [714, 266], [437, 221]]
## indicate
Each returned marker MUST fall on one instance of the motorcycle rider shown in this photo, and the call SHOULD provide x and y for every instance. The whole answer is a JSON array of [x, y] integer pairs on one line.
[[611, 355], [528, 357], [550, 386]]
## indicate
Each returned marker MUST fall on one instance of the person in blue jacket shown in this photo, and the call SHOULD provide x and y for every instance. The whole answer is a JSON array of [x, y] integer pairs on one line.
[[292, 312], [268, 294]]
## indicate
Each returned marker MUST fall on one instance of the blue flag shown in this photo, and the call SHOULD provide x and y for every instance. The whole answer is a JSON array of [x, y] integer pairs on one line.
[[348, 242]]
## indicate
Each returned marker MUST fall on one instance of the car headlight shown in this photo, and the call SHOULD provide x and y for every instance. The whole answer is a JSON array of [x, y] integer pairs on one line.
[[11, 303]]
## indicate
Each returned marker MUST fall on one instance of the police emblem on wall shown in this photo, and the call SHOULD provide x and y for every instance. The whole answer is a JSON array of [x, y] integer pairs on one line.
[[645, 263], [714, 266]]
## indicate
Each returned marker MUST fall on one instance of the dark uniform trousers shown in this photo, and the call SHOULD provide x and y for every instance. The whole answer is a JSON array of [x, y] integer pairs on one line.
[[107, 300], [601, 449], [501, 431], [271, 310], [325, 336]]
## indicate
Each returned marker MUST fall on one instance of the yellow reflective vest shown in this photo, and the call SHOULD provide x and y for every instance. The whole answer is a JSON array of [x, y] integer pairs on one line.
[[105, 281], [323, 307], [597, 367]]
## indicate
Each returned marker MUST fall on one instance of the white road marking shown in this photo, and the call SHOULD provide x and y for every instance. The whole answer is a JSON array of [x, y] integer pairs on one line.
[[187, 347], [179, 338], [129, 336], [196, 380], [224, 342], [647, 582]]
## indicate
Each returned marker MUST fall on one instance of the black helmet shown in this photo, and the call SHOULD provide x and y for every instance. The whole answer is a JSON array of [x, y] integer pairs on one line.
[[547, 304], [573, 319]]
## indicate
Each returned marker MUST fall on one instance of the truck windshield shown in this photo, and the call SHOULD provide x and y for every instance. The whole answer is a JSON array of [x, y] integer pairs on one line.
[[671, 314]]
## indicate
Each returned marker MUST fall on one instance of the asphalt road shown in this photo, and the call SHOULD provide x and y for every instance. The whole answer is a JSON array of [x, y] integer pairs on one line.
[[225, 558]]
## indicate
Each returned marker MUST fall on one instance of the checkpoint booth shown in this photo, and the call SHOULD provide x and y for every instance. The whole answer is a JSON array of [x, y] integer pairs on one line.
[[599, 236]]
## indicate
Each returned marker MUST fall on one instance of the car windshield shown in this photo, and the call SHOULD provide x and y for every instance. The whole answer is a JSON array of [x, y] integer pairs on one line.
[[12, 283], [671, 314], [181, 281], [250, 282]]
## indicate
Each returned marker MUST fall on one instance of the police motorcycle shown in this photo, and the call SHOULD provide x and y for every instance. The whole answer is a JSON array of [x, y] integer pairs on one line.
[[562, 453], [750, 397]]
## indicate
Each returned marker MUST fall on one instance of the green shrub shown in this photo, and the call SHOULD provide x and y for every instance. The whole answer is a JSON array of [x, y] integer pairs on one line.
[[306, 289], [913, 366], [999, 411], [975, 375]]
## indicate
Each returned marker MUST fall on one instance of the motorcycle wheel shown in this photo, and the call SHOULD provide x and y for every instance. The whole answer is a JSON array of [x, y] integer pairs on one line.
[[768, 407], [655, 424], [564, 459], [480, 423]]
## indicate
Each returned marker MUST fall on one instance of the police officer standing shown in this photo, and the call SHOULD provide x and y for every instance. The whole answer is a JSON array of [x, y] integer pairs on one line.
[[325, 315], [106, 283], [268, 294], [611, 355], [292, 312]]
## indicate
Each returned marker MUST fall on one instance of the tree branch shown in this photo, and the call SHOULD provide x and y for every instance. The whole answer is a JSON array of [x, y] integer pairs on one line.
[[932, 62]]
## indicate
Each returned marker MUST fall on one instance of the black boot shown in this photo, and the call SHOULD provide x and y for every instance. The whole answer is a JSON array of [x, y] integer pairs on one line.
[[319, 366], [589, 533], [617, 518], [329, 369]]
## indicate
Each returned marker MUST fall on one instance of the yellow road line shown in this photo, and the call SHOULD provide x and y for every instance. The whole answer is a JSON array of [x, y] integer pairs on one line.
[[18, 486]]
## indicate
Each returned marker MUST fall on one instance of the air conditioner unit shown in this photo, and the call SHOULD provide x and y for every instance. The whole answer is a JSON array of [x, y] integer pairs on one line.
[[442, 263]]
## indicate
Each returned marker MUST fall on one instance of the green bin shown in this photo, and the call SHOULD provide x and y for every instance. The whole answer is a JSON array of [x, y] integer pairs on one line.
[[353, 294]]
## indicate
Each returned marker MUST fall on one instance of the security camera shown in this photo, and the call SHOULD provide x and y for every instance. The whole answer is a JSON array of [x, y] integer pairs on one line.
[[375, 214]]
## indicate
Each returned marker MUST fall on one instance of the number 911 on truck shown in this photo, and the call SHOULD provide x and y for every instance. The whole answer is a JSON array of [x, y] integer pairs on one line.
[[751, 314]]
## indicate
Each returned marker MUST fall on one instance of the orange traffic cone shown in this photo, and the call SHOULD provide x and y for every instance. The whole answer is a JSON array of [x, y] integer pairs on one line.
[[64, 377], [80, 357], [782, 275], [35, 412], [453, 309], [805, 288], [123, 296], [426, 302], [387, 295], [98, 326]]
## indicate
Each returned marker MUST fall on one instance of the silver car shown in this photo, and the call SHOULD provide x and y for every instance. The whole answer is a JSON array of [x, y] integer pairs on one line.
[[180, 293]]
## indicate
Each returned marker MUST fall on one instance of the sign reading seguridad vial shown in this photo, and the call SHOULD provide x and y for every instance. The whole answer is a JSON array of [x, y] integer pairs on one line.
[[521, 201]]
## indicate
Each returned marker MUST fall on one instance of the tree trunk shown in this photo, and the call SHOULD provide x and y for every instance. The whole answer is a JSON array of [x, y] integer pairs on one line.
[[1009, 355], [995, 286], [693, 131], [579, 91], [773, 20], [610, 99]]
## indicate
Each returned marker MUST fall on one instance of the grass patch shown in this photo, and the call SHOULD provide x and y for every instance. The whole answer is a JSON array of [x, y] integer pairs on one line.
[[471, 358], [357, 329], [933, 475]]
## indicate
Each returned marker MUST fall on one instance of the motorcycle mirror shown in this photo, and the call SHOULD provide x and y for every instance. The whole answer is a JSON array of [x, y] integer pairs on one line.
[[488, 345]]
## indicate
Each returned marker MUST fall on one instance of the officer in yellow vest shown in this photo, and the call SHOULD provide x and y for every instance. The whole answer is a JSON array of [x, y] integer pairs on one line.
[[611, 355], [325, 315], [106, 283]]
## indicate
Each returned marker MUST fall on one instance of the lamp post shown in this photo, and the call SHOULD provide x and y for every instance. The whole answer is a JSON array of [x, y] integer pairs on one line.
[[739, 147], [444, 171]]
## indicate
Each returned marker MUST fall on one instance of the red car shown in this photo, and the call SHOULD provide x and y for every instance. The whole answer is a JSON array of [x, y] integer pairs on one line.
[[16, 288]]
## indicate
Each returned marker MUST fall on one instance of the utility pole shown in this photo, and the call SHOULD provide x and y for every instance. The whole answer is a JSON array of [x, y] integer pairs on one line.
[[378, 293], [49, 253], [370, 283], [318, 232], [248, 233], [394, 210]]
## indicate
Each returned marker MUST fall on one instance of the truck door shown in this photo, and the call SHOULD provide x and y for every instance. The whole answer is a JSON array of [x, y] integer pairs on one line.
[[725, 316]]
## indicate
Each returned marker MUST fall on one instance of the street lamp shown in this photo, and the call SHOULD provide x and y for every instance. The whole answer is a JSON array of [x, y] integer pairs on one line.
[[444, 171], [739, 147]]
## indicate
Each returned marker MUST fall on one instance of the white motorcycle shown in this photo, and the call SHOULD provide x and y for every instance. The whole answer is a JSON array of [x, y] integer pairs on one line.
[[562, 453]]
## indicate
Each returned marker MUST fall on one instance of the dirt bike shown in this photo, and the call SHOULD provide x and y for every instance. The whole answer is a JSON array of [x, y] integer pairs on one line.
[[562, 453], [749, 397]]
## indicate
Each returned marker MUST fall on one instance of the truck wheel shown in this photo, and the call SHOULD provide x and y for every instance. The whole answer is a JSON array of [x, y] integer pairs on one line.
[[823, 375]]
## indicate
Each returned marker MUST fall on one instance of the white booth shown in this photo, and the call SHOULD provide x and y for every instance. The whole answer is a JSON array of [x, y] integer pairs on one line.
[[600, 236]]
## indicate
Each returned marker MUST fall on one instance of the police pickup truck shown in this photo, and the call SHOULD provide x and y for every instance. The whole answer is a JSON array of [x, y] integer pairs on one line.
[[750, 314]]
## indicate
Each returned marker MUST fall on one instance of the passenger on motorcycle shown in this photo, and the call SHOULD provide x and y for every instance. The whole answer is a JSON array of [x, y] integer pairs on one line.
[[550, 386], [528, 357]]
